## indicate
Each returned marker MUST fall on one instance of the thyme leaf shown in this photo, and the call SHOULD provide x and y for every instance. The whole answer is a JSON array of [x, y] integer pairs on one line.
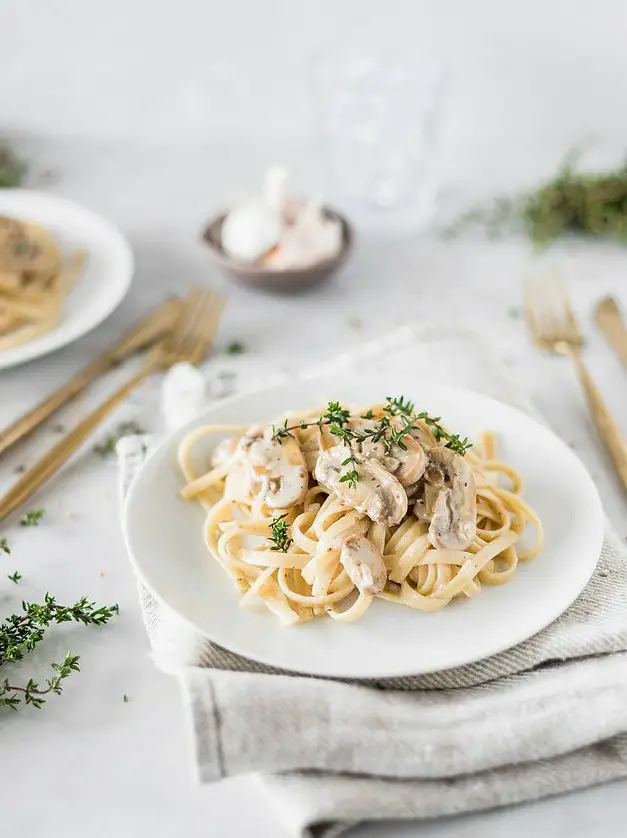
[[32, 518], [279, 535]]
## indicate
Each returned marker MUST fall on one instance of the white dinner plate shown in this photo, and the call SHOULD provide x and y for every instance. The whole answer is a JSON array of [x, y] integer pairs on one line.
[[100, 286], [165, 539]]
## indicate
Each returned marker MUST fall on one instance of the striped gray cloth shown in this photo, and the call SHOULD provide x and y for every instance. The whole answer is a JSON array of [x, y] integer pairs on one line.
[[547, 716]]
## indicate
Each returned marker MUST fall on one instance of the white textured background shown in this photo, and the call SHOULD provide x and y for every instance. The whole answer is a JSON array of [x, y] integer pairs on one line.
[[154, 113]]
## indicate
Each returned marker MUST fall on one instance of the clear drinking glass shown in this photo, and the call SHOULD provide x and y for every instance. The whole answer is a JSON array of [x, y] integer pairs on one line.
[[377, 118]]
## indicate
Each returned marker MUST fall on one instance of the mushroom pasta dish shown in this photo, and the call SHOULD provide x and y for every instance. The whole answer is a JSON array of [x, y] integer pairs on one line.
[[322, 512]]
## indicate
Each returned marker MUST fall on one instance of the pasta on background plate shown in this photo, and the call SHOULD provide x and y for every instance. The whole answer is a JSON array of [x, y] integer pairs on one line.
[[34, 281], [324, 512]]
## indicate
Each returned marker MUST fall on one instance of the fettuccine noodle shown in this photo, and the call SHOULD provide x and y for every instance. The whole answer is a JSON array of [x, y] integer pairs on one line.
[[34, 280], [318, 568]]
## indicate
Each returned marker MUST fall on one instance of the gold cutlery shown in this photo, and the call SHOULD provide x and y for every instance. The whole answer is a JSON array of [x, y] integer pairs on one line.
[[553, 327], [147, 331], [188, 341], [609, 320]]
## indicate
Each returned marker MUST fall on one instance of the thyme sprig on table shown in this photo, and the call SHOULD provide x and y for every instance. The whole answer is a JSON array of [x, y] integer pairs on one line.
[[591, 204], [279, 535], [21, 633], [31, 693]]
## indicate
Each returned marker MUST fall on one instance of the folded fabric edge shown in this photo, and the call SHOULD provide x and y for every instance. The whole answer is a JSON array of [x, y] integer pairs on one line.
[[448, 746], [202, 721], [314, 806]]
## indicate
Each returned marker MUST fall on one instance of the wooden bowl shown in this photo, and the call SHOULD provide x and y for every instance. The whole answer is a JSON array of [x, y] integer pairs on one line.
[[287, 280]]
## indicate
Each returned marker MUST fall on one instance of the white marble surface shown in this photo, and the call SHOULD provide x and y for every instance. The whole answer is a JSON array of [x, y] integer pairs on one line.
[[154, 113]]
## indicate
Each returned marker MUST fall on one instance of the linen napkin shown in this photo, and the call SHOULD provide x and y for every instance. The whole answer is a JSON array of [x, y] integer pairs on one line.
[[547, 716]]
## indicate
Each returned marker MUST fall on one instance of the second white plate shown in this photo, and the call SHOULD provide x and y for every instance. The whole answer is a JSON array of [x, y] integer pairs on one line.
[[165, 539], [101, 285]]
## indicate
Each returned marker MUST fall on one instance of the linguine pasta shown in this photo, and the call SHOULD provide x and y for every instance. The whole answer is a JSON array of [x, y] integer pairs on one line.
[[34, 279], [323, 514]]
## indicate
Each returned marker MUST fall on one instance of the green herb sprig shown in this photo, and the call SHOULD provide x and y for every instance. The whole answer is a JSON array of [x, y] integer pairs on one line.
[[452, 441], [279, 535], [588, 204], [4, 546], [336, 417], [21, 633], [31, 693]]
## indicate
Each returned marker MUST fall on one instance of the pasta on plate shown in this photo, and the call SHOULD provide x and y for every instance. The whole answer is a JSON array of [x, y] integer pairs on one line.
[[34, 280], [324, 512]]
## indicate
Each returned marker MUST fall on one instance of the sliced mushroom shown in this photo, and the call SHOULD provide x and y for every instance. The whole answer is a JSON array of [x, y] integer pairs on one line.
[[376, 493], [278, 468], [223, 451], [454, 516], [426, 496], [434, 474], [364, 564], [423, 434]]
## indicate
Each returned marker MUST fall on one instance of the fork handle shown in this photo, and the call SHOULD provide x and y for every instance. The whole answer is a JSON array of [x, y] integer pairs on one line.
[[52, 461], [603, 419]]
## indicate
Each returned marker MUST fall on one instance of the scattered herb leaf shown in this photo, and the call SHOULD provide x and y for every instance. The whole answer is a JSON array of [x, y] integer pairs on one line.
[[236, 347], [125, 697], [32, 518], [14, 577], [4, 545], [130, 428]]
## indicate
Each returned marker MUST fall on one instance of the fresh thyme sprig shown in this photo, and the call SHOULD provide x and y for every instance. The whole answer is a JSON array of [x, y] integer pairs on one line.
[[20, 634], [11, 695], [14, 577], [351, 477], [453, 441], [398, 405], [282, 432], [336, 417], [32, 518], [279, 535], [4, 545]]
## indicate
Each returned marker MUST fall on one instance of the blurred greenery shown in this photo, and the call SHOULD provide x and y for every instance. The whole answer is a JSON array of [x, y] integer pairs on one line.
[[588, 204], [12, 170]]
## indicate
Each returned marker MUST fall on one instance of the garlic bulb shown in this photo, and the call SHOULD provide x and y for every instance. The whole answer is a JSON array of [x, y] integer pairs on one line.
[[280, 234]]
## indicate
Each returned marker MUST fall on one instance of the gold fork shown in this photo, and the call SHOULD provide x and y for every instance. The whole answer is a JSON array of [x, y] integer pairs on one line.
[[189, 341], [554, 328]]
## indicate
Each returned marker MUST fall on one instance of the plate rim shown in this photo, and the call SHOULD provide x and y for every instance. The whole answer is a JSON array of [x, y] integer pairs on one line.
[[356, 674], [32, 350]]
